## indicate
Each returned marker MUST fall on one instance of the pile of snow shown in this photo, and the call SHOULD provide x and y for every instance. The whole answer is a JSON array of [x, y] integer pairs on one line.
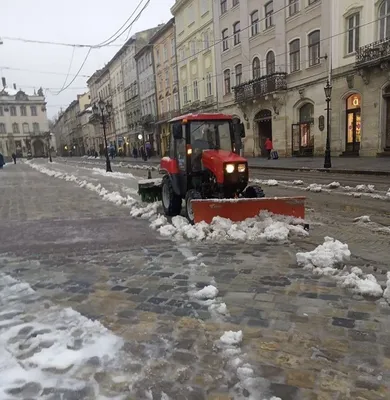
[[365, 188], [360, 283], [271, 182], [388, 193], [314, 187], [333, 185], [248, 385], [363, 218], [386, 293], [266, 226], [329, 259], [298, 182], [43, 346], [115, 175], [207, 293], [326, 258]]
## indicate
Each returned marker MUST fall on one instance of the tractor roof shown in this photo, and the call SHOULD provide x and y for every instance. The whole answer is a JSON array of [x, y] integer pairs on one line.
[[202, 117]]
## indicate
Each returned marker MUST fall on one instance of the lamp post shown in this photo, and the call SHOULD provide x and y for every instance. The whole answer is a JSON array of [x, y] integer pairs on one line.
[[328, 97], [49, 135], [104, 109]]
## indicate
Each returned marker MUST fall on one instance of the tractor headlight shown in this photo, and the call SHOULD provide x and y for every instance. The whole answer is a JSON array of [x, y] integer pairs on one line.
[[229, 168], [241, 167]]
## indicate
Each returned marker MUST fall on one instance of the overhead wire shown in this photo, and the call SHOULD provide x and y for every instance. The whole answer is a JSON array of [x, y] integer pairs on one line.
[[69, 68]]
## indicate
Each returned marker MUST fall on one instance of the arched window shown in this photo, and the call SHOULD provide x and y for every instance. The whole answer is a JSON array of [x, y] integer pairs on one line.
[[26, 128], [236, 32], [270, 62], [295, 55], [255, 23], [226, 79], [314, 48], [225, 39], [384, 20], [238, 73], [306, 113], [15, 127], [256, 68]]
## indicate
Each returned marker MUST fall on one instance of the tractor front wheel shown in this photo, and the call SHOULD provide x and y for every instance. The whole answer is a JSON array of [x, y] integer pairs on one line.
[[171, 202], [253, 192], [191, 195]]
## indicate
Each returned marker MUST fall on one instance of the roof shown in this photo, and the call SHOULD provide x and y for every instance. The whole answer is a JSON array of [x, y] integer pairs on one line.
[[203, 117], [13, 92], [163, 29]]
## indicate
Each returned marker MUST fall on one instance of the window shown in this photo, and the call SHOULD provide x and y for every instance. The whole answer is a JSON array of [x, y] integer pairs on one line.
[[196, 92], [2, 128], [268, 11], [206, 41], [353, 33], [13, 111], [236, 3], [254, 23], [209, 88], [270, 63], [256, 68], [223, 6], [174, 74], [312, 2], [166, 79], [238, 73], [26, 128], [204, 7], [35, 127], [295, 55], [185, 94], [162, 106], [1, 111], [15, 128], [168, 104], [384, 20], [23, 111], [314, 48], [225, 40], [173, 47], [176, 100], [226, 79], [236, 31], [193, 47], [293, 7], [33, 111], [165, 52]]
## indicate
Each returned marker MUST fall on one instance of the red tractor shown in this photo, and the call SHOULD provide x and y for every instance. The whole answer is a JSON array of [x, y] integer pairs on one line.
[[203, 162]]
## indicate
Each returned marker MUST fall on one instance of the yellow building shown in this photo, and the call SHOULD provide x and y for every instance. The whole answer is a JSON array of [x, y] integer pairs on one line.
[[167, 87], [195, 55]]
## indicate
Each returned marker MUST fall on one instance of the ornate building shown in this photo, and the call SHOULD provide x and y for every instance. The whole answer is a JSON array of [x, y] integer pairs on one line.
[[24, 126]]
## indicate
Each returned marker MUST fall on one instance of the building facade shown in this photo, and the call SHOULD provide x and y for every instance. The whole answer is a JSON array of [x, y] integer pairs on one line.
[[360, 78], [272, 66], [24, 126], [147, 96], [167, 85], [132, 99], [195, 48]]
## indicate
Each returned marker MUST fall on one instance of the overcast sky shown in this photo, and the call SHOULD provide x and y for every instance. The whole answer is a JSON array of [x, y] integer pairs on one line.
[[67, 21]]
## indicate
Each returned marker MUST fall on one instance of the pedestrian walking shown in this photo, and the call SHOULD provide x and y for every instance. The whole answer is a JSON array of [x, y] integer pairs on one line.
[[135, 152], [2, 162], [268, 146], [14, 157]]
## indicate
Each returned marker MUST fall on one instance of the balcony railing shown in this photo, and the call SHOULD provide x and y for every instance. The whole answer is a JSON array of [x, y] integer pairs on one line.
[[373, 54], [260, 87], [166, 116]]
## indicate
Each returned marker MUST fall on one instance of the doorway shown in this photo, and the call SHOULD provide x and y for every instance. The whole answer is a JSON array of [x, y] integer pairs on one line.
[[353, 124], [386, 97], [39, 149], [264, 127]]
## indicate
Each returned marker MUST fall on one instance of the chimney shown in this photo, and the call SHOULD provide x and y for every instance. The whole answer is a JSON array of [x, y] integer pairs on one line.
[[4, 82], [15, 86]]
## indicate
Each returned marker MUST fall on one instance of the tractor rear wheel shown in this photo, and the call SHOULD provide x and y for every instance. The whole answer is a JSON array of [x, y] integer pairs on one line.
[[171, 202], [191, 195], [253, 192]]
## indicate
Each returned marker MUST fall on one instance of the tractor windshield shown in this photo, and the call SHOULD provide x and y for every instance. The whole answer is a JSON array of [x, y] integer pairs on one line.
[[211, 135]]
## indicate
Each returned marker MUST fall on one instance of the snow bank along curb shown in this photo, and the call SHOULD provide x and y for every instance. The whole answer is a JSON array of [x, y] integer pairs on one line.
[[272, 228], [329, 259]]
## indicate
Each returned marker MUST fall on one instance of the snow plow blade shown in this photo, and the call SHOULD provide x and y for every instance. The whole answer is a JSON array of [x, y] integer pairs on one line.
[[150, 190], [240, 209]]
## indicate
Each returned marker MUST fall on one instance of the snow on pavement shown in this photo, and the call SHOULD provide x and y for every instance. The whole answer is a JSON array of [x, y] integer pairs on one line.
[[46, 349], [330, 259]]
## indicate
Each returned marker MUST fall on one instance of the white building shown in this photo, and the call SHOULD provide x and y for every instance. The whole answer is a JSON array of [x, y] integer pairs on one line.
[[360, 77], [24, 126]]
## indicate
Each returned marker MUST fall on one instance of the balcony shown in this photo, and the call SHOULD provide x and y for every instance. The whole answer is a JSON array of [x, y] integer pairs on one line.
[[373, 54], [260, 87]]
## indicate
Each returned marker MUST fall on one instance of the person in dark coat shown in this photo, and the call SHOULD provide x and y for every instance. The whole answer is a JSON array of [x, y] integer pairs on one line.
[[2, 162], [14, 157], [135, 152]]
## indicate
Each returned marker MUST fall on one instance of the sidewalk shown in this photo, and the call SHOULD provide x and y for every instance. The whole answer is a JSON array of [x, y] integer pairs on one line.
[[360, 165]]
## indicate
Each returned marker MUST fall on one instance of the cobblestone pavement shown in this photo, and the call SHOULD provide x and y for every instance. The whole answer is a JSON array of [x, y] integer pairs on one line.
[[303, 336]]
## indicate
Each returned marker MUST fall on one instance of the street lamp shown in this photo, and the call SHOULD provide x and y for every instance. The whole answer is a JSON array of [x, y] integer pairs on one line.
[[104, 109], [328, 96], [49, 135]]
